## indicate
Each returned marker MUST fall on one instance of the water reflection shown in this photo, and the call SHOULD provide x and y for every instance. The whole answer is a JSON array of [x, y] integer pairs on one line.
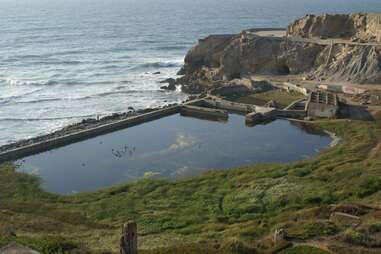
[[173, 146]]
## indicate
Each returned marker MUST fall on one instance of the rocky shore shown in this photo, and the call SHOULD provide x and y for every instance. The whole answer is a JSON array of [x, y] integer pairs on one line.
[[329, 47]]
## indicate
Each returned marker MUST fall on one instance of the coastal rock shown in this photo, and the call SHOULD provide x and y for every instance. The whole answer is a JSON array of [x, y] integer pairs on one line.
[[357, 64], [206, 53], [171, 84], [220, 58], [357, 26], [236, 86]]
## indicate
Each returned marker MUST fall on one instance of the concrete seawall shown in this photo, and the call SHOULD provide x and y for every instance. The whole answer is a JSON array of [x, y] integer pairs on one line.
[[49, 144]]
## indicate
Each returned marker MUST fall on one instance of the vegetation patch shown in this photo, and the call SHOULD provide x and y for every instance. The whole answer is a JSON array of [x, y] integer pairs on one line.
[[282, 98], [304, 250], [244, 204]]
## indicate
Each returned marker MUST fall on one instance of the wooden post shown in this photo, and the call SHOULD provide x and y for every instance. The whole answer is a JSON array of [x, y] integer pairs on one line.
[[129, 239]]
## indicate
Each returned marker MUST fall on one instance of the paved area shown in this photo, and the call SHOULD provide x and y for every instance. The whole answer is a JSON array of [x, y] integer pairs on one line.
[[283, 34]]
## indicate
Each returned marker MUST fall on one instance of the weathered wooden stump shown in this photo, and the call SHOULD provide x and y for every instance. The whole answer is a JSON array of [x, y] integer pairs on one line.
[[279, 235], [129, 239]]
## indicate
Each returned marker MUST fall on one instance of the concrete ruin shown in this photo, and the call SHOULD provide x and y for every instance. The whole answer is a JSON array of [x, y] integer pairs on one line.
[[204, 113], [322, 104]]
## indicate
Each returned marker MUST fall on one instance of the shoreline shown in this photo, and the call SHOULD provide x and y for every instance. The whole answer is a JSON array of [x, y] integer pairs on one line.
[[335, 139]]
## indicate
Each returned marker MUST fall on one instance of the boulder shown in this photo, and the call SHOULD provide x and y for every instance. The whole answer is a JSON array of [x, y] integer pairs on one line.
[[171, 84]]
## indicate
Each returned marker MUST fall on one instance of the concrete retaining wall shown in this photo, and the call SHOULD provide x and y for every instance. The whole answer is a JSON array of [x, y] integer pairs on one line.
[[46, 145], [228, 105], [204, 113], [298, 114]]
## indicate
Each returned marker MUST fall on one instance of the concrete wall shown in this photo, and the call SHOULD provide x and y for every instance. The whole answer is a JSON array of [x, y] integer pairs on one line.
[[347, 89], [283, 113], [228, 105], [292, 87], [331, 88], [204, 113], [321, 110]]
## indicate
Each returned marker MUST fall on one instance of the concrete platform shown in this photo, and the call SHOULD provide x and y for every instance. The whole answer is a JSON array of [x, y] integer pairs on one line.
[[259, 116]]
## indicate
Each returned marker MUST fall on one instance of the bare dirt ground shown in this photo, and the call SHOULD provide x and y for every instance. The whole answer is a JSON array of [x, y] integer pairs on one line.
[[320, 41]]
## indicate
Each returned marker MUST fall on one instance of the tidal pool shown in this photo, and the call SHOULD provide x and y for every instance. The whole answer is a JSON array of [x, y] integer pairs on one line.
[[170, 147]]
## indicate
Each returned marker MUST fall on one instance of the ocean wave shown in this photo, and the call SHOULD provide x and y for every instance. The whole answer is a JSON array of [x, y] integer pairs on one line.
[[44, 119], [110, 67], [170, 47], [157, 65], [16, 82], [37, 101], [9, 99], [12, 100], [59, 62], [124, 92]]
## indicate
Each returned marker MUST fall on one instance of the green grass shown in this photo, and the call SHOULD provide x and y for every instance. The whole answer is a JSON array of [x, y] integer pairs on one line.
[[282, 97], [304, 250], [242, 204]]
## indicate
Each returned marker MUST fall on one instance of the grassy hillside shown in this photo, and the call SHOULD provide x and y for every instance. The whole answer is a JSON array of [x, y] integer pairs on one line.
[[231, 211]]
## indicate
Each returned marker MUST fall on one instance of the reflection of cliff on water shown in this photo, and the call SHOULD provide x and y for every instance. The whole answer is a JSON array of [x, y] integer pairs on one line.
[[310, 128]]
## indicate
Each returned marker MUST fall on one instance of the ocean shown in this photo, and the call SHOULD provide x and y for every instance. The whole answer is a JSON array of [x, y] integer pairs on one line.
[[65, 60]]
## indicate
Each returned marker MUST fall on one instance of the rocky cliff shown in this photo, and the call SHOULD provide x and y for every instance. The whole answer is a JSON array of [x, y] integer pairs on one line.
[[217, 59], [357, 27]]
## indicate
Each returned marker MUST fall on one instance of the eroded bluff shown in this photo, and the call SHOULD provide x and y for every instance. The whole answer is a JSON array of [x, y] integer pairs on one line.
[[218, 59], [365, 27]]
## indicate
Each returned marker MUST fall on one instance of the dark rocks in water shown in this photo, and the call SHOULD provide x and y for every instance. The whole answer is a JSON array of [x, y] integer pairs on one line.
[[89, 120], [181, 71], [168, 80], [131, 108], [156, 73], [171, 84]]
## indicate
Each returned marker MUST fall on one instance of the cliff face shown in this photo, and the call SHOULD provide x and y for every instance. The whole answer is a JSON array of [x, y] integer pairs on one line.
[[358, 26], [217, 59]]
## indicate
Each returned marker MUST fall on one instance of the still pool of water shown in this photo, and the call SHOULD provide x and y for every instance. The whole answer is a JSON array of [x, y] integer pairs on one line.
[[170, 147]]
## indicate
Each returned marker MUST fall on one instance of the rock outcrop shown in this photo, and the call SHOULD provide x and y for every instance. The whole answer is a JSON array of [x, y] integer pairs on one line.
[[217, 59], [358, 26], [171, 84]]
